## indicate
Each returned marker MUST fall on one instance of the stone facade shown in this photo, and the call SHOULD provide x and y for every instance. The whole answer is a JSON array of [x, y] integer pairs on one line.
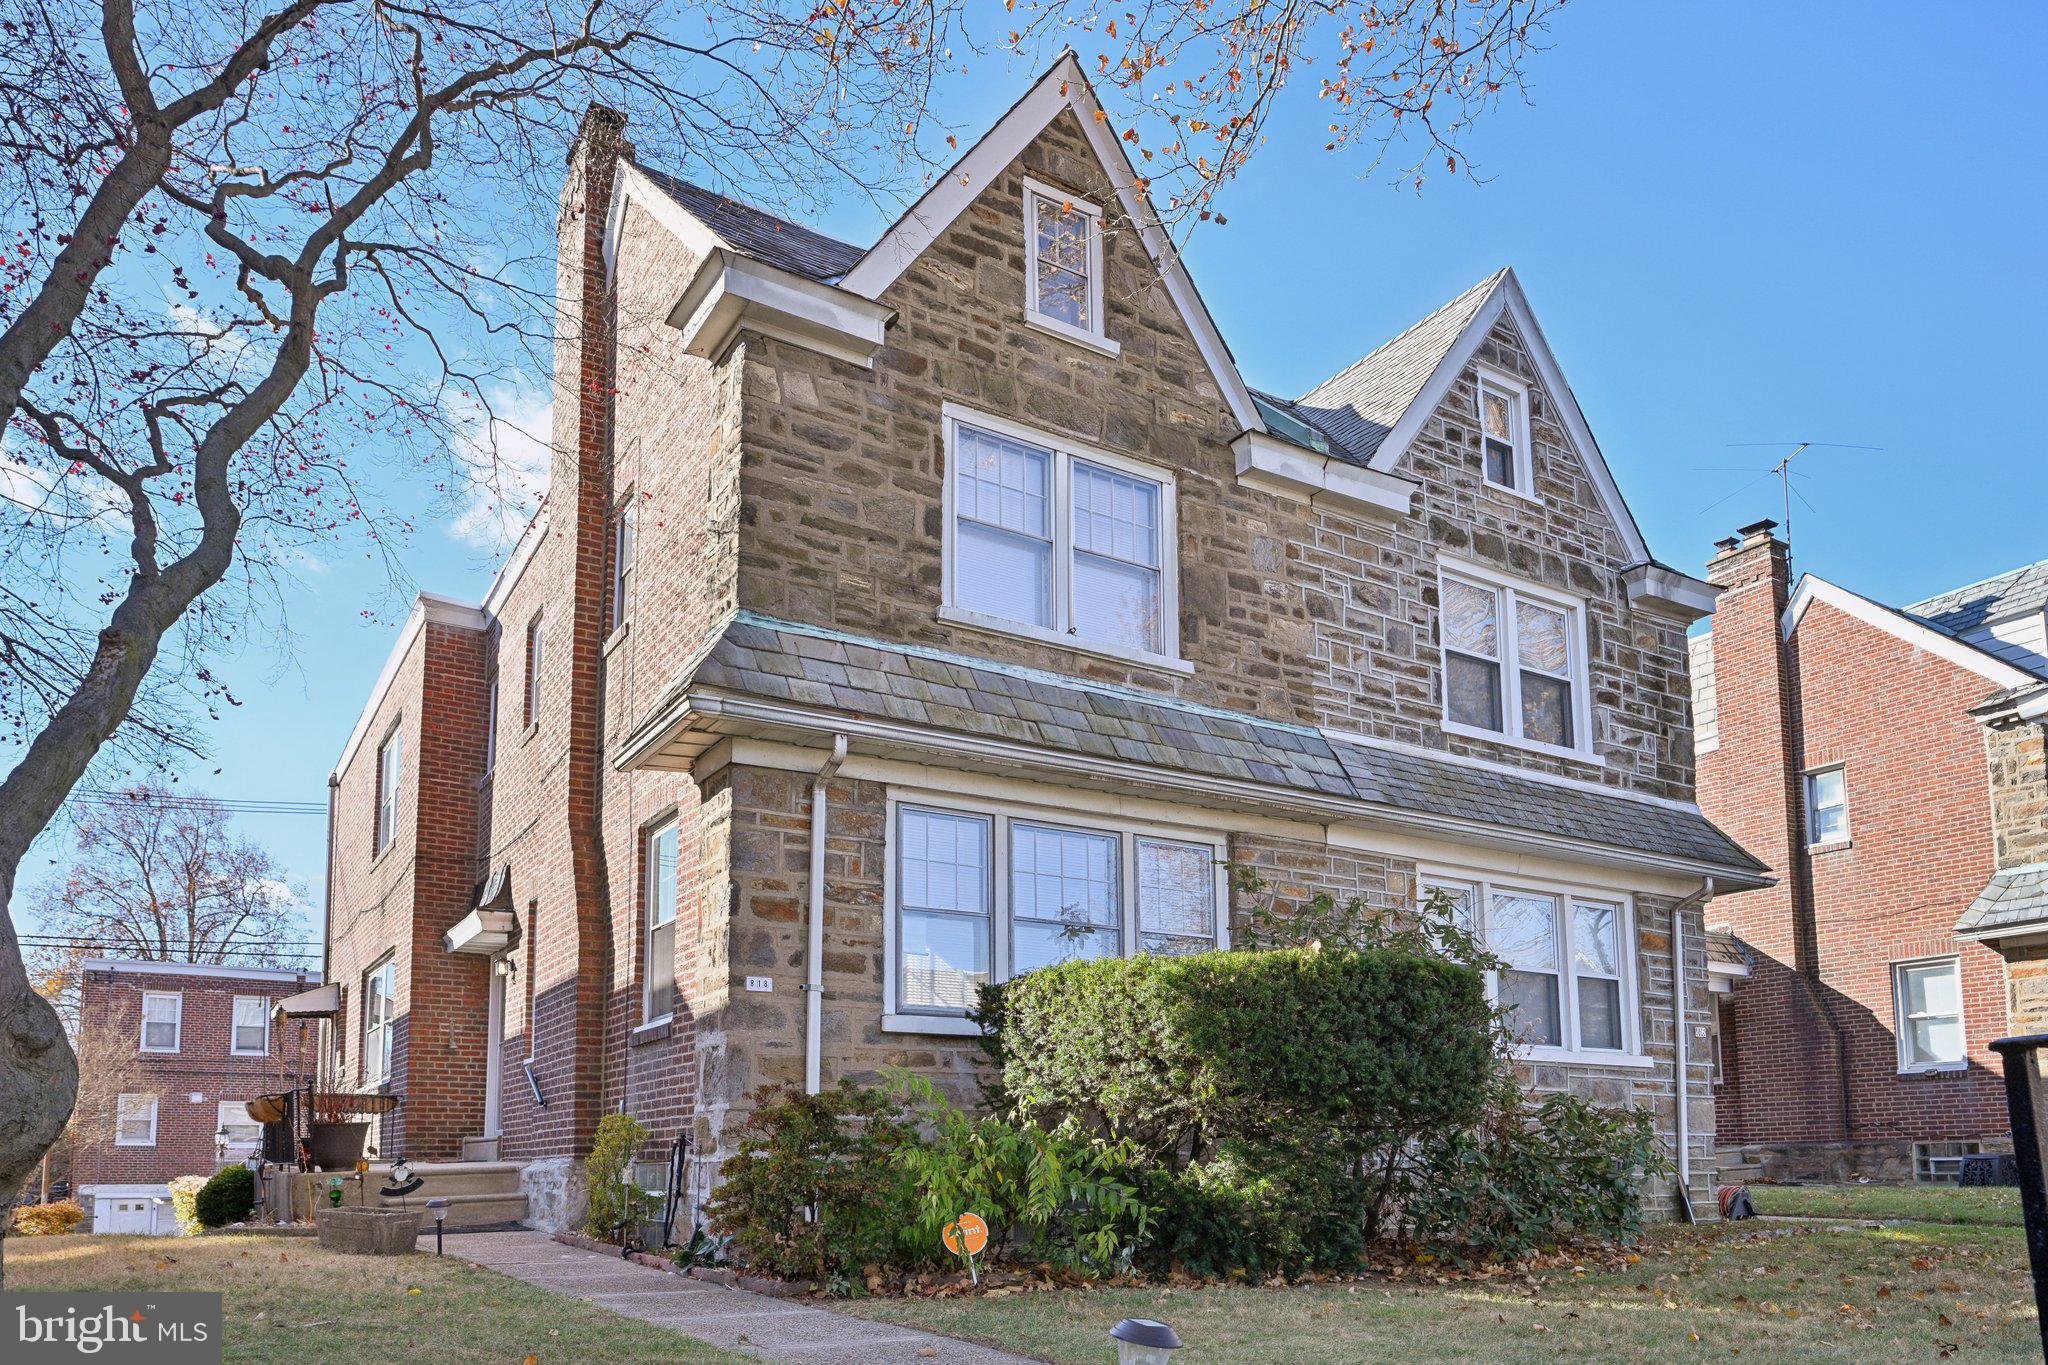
[[770, 477]]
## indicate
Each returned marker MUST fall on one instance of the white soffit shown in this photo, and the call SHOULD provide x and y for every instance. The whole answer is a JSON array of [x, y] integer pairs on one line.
[[1987, 666], [1064, 87]]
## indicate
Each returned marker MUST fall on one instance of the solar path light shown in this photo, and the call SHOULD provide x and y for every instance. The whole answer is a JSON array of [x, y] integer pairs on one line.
[[439, 1208], [1143, 1341]]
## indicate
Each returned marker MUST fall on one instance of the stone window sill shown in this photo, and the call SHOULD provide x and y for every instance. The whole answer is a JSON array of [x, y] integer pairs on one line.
[[1832, 846], [618, 636], [932, 1025], [1066, 331], [651, 1033], [1945, 1069]]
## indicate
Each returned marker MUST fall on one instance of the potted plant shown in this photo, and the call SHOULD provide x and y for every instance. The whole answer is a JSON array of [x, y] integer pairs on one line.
[[335, 1138]]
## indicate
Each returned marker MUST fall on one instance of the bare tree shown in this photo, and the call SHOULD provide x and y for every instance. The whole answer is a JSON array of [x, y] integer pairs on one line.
[[260, 247]]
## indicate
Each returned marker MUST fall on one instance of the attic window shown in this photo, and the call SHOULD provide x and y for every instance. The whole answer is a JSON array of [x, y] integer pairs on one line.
[[1504, 433], [1063, 265]]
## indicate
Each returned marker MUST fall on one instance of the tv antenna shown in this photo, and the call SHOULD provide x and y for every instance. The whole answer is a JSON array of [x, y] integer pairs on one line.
[[1783, 472]]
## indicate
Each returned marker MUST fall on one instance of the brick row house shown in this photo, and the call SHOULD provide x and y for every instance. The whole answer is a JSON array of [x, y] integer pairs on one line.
[[1888, 763], [203, 1041], [906, 617]]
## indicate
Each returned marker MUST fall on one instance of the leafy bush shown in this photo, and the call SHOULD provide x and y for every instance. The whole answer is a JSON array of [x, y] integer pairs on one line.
[[1058, 1190], [48, 1220], [1257, 1211], [226, 1198], [1533, 1177], [184, 1198], [813, 1189], [615, 1201]]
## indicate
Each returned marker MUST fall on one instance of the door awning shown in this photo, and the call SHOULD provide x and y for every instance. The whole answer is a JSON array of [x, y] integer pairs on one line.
[[481, 931], [322, 1002]]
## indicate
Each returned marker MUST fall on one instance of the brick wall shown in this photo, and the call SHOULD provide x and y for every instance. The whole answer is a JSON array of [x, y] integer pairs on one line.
[[110, 1004]]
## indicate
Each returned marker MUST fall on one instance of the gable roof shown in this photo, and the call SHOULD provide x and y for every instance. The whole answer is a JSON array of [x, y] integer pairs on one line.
[[1920, 631], [2017, 592], [758, 233]]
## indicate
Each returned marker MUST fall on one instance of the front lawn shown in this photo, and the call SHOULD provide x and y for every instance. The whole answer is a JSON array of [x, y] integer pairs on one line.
[[289, 1301], [1776, 1292], [1922, 1203]]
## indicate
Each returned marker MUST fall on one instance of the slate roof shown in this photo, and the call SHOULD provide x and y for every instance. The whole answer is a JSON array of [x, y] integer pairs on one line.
[[1359, 408], [2011, 594], [759, 233], [1726, 949], [2013, 898], [762, 657], [1413, 781]]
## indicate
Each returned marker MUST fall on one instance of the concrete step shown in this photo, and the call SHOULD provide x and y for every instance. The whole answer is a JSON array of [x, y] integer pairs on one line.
[[472, 1210], [445, 1179]]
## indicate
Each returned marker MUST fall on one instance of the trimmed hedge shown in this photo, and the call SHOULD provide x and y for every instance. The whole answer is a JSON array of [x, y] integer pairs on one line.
[[227, 1198], [1179, 1055]]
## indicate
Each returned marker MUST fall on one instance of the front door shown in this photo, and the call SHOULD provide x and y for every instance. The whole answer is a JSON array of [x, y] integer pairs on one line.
[[494, 1055]]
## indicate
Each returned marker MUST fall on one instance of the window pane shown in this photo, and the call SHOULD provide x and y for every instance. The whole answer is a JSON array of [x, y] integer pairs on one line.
[[945, 960], [1003, 482], [1932, 990], [1062, 236], [1063, 875], [162, 1035], [661, 971], [661, 876], [1500, 463], [1531, 998], [1496, 410], [1000, 574], [1176, 896], [1596, 939], [1037, 944], [1546, 710], [1932, 1042], [1470, 619], [1472, 687], [1599, 1013], [1063, 295], [1115, 514], [1829, 823], [1461, 898], [1540, 637], [1523, 930], [945, 861], [1827, 788], [1116, 603]]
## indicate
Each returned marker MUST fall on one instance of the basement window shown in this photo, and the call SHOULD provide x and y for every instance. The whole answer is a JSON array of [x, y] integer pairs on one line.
[[1941, 1163]]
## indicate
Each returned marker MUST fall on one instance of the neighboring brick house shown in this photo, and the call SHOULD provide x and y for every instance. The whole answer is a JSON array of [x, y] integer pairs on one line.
[[204, 1043], [907, 616], [1888, 764]]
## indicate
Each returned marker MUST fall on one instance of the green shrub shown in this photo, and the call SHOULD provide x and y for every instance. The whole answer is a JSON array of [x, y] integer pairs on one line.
[[1058, 1190], [184, 1196], [226, 1198], [1258, 1211], [813, 1189], [615, 1201], [1533, 1177], [48, 1220]]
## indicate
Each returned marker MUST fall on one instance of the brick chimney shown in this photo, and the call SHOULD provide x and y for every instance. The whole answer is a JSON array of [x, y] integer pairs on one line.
[[1752, 785]]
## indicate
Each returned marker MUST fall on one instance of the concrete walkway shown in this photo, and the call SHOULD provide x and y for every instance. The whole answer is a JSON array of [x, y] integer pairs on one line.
[[736, 1319]]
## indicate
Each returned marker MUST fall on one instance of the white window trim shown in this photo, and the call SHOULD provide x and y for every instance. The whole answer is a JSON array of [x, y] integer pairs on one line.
[[177, 1022], [386, 821], [119, 1123], [648, 835], [1806, 780], [1511, 673], [1484, 884], [625, 552], [1094, 337], [389, 1025], [535, 645], [898, 1018], [1899, 1018], [1525, 458], [238, 1150], [1065, 452], [262, 1004]]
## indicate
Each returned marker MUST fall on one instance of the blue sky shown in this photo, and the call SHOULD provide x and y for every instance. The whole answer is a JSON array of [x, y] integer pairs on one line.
[[1737, 222]]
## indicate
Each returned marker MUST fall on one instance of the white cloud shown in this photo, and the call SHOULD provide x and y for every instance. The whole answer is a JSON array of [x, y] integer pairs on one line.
[[505, 455]]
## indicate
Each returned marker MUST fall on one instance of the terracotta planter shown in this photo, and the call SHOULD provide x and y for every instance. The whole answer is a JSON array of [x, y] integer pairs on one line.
[[369, 1232], [337, 1146]]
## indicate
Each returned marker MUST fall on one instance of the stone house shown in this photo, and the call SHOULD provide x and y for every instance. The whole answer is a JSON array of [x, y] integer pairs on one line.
[[907, 616], [1888, 763], [204, 1042]]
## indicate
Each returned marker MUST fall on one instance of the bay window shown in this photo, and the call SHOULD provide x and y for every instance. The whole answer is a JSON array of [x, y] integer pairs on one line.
[[986, 894], [1070, 546], [1514, 660], [1567, 977]]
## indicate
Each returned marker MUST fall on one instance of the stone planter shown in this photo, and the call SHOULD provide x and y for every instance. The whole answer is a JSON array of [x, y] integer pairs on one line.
[[369, 1232]]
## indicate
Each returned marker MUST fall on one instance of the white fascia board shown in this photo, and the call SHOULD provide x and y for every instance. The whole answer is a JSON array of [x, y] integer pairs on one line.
[[730, 292], [1655, 586], [1065, 86], [427, 607], [143, 967], [1508, 299], [1323, 481], [514, 567], [633, 186], [1811, 589]]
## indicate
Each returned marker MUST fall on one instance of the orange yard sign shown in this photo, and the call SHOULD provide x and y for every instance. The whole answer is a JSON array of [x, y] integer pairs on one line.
[[965, 1235]]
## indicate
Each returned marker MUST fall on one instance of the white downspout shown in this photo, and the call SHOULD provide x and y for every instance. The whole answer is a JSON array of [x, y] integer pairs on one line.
[[1682, 1086], [814, 955]]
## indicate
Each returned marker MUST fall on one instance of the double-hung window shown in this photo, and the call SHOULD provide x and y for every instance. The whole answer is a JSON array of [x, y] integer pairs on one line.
[[1566, 980], [1070, 546], [623, 533], [135, 1121], [1929, 1000], [1827, 805], [239, 1134], [163, 1020], [1504, 432], [251, 1026], [1063, 265], [1514, 661], [980, 895], [659, 991], [534, 645], [390, 765], [380, 1020]]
